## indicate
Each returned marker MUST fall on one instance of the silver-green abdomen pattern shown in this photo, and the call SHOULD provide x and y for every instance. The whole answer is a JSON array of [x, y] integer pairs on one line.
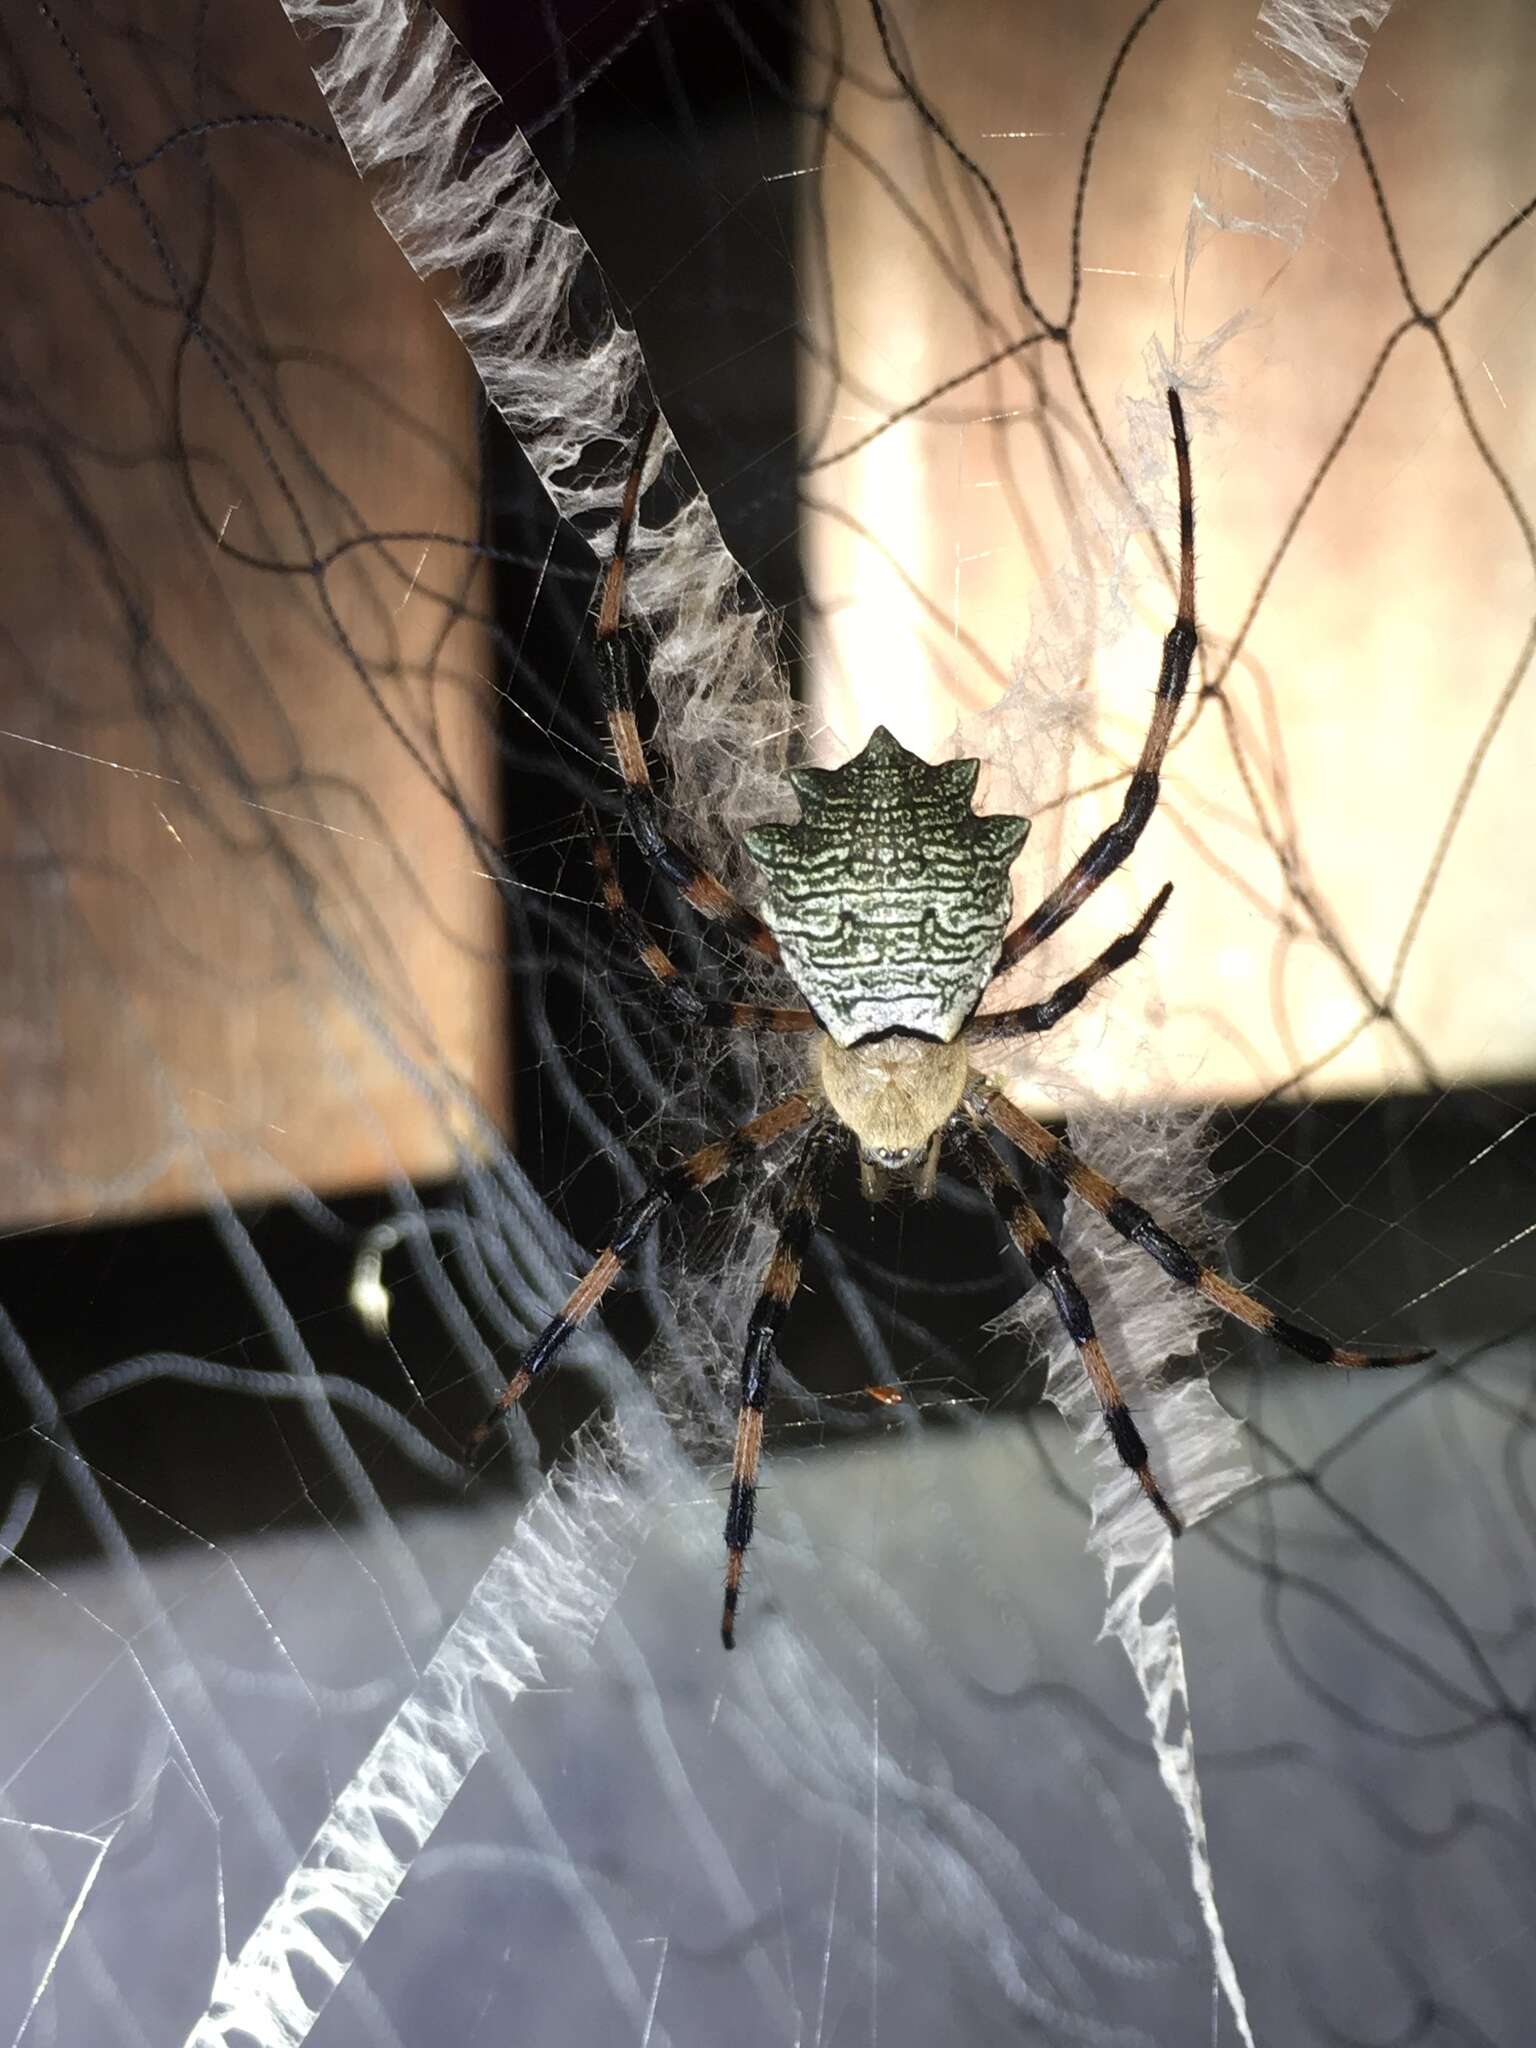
[[890, 898]]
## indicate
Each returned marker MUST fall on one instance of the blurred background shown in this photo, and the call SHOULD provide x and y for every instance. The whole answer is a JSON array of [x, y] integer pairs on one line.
[[304, 985]]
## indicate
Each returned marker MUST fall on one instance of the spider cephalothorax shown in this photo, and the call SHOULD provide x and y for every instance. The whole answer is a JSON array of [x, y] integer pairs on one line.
[[887, 903], [895, 1094], [889, 899]]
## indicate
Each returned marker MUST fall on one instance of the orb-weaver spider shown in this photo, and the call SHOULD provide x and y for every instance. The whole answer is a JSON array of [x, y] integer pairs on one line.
[[887, 904]]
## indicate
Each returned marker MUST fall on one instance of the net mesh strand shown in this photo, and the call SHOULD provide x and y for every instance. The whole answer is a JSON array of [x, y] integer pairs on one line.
[[484, 232], [259, 1743]]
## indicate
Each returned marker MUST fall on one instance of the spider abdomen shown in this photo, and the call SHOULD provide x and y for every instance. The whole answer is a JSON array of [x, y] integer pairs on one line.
[[890, 897]]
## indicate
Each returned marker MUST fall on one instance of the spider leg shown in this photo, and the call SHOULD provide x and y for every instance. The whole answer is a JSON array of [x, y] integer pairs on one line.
[[783, 1277], [697, 1171], [1042, 1016], [1115, 842], [681, 999], [1135, 1224], [697, 886], [1048, 1264]]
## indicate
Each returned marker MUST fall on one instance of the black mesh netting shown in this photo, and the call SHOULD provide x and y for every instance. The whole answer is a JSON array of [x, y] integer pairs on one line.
[[326, 1068]]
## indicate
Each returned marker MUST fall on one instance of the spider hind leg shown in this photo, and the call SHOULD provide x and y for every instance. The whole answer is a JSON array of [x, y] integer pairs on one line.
[[779, 1285], [1049, 1266], [690, 1175], [1144, 1231]]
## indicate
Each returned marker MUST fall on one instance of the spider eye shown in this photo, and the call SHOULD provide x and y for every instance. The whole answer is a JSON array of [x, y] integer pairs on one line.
[[897, 1158]]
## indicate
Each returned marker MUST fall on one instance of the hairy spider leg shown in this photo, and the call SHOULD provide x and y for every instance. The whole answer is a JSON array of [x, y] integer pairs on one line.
[[1048, 1263], [1177, 1261], [693, 882], [1042, 1016], [812, 1171], [697, 1171], [1114, 843], [680, 998]]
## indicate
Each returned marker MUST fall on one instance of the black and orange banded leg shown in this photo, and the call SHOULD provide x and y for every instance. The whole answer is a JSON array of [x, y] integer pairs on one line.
[[680, 998], [686, 1178], [782, 1279], [694, 883], [1042, 1016], [1114, 843], [1048, 1264], [1177, 1260]]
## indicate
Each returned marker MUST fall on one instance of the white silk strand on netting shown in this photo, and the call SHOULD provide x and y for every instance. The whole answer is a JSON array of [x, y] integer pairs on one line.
[[482, 229], [1293, 91], [1280, 157], [545, 1594], [1195, 1447], [407, 103]]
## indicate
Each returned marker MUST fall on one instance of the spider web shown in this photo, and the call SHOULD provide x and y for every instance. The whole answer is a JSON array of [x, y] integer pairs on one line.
[[387, 1755]]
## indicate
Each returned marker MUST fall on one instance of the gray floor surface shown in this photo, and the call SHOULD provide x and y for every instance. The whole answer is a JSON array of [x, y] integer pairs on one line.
[[920, 1804]]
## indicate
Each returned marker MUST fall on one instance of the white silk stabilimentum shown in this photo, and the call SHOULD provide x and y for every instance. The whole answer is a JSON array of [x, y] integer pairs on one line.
[[483, 230]]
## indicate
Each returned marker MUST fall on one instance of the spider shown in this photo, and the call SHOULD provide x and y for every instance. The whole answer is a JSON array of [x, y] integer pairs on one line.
[[888, 906]]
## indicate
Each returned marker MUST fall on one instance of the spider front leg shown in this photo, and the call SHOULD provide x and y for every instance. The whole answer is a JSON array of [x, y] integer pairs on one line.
[[783, 1278], [1177, 1260], [1114, 843], [675, 992], [1049, 1266], [693, 882], [1044, 1015], [686, 1178]]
